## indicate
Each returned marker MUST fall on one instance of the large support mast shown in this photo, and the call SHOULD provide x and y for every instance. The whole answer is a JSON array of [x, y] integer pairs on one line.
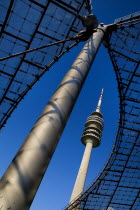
[[21, 180]]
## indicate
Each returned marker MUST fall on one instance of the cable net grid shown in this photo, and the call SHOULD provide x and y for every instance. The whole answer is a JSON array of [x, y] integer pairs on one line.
[[118, 185], [27, 24]]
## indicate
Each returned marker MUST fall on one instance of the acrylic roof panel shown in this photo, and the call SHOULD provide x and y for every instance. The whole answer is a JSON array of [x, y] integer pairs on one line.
[[118, 185], [26, 24]]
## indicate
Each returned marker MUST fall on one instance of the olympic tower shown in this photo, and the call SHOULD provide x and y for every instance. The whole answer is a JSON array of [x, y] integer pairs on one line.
[[90, 138]]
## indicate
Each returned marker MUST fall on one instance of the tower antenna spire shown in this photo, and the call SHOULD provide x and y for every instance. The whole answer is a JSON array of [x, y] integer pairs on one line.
[[98, 109]]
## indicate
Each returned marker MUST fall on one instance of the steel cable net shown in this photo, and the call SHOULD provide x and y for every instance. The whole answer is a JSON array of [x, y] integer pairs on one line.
[[118, 185], [26, 24]]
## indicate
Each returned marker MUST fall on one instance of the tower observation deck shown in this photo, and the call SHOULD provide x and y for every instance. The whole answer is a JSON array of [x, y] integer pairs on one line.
[[94, 126]]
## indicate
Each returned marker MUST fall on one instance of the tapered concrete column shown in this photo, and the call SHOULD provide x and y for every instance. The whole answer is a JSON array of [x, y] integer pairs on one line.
[[20, 182], [81, 177]]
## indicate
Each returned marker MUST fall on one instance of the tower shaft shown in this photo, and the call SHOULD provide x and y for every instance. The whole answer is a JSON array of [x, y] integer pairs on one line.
[[81, 177]]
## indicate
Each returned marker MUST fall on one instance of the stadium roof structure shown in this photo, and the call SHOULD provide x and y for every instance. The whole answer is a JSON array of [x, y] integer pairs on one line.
[[118, 185], [28, 25], [45, 22]]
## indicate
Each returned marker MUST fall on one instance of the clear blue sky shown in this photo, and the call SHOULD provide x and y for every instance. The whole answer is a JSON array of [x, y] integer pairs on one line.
[[55, 190]]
